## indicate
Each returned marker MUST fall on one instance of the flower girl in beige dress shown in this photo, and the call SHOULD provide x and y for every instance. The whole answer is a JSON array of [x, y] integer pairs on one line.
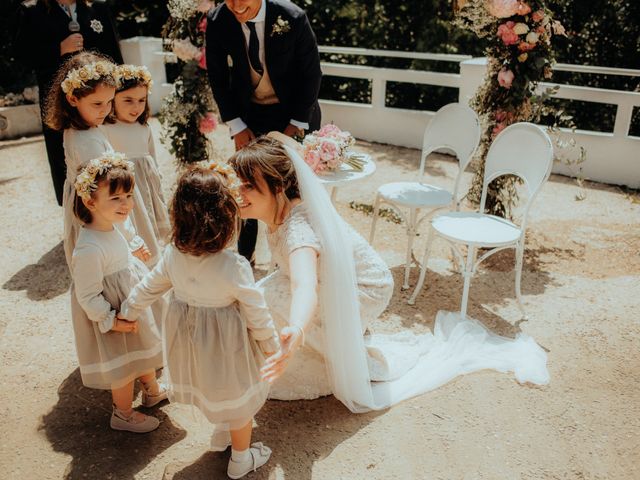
[[112, 353], [128, 132]]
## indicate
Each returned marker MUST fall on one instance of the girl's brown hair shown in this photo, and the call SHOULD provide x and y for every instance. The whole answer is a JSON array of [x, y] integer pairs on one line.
[[59, 114], [126, 85], [116, 178], [204, 212]]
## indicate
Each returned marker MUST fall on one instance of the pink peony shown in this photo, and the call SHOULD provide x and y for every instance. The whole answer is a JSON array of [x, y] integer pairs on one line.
[[537, 15], [202, 25], [329, 130], [507, 34], [202, 62], [312, 158], [208, 123], [505, 78], [328, 150], [502, 8]]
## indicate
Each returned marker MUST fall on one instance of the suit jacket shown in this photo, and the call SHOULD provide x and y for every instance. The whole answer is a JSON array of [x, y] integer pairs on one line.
[[291, 58], [42, 28]]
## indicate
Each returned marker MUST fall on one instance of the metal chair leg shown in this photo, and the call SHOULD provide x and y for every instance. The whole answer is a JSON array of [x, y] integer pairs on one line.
[[423, 268], [519, 260], [376, 211], [411, 234], [468, 272]]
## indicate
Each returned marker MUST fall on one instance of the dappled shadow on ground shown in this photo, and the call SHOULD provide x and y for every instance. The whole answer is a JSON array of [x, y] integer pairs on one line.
[[78, 425], [444, 292], [43, 280], [300, 433]]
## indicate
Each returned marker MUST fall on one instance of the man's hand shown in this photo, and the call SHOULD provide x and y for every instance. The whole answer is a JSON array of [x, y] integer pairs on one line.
[[242, 138], [294, 132], [73, 43]]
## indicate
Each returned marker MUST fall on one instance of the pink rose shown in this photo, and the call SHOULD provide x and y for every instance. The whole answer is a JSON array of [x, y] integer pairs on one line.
[[502, 8], [537, 15], [208, 123], [497, 129], [505, 78], [507, 34], [202, 62], [202, 25]]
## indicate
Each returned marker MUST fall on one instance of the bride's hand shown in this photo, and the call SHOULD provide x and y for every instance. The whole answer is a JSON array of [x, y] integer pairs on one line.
[[290, 340]]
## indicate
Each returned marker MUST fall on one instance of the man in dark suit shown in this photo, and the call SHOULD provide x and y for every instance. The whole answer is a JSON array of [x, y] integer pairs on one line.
[[264, 71], [51, 31]]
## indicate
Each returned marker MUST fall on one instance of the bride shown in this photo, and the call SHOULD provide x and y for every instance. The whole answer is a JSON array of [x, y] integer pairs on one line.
[[330, 284]]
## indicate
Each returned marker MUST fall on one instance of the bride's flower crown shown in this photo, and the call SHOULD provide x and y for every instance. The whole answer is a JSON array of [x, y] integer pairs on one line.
[[126, 73], [85, 183], [78, 77], [233, 183]]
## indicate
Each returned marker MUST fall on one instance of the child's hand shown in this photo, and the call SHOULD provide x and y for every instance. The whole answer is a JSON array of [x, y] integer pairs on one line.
[[125, 326], [142, 253]]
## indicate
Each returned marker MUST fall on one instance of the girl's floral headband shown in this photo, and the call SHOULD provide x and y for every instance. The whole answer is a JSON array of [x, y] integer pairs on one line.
[[233, 183], [85, 183], [126, 73], [78, 77]]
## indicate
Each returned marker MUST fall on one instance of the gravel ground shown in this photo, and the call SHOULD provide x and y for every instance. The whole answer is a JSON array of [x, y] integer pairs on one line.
[[580, 286]]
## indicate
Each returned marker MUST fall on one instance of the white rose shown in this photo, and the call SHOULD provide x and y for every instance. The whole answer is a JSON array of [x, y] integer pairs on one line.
[[532, 38], [521, 28]]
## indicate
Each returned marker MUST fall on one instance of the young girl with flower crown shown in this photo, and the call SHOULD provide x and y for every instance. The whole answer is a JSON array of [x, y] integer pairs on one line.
[[78, 102], [128, 132], [112, 352], [217, 330]]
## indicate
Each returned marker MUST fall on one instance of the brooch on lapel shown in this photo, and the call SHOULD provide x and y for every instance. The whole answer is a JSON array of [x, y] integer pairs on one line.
[[96, 26], [281, 26]]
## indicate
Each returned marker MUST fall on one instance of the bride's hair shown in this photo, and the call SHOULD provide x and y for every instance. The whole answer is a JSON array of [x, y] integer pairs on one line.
[[267, 157]]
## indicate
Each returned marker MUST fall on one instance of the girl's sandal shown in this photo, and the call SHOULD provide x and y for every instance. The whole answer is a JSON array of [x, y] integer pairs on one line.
[[135, 422]]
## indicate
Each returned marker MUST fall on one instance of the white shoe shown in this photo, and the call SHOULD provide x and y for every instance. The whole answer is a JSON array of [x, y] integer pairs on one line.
[[260, 455]]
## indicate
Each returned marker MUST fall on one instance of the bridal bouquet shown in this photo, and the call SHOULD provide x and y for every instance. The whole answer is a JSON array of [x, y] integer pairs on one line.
[[328, 148]]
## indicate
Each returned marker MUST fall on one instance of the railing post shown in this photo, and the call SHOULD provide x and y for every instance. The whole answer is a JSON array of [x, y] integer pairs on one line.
[[623, 120], [472, 74], [378, 93]]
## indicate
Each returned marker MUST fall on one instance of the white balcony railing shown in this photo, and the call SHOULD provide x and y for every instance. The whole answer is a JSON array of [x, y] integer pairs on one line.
[[611, 157]]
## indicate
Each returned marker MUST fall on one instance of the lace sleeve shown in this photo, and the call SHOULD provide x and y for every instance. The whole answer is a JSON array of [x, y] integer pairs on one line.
[[300, 234]]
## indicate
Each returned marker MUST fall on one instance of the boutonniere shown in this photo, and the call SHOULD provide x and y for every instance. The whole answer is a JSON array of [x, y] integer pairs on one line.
[[281, 26], [96, 26]]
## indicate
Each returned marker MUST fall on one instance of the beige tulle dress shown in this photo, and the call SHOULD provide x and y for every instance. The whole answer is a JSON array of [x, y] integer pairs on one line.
[[81, 146], [136, 142], [216, 331], [104, 271]]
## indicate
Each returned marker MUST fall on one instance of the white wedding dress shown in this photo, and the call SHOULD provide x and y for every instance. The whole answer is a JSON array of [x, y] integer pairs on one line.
[[371, 372]]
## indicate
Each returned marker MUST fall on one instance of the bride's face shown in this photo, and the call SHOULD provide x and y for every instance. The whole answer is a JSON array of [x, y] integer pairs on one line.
[[257, 200]]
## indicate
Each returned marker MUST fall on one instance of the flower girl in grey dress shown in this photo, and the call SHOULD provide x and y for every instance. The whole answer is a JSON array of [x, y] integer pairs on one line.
[[217, 329]]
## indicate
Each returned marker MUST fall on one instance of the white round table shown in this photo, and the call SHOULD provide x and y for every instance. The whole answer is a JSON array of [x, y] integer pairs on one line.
[[346, 174]]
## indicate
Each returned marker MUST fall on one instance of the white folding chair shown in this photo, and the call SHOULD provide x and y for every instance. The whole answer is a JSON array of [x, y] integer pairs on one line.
[[522, 149], [455, 127]]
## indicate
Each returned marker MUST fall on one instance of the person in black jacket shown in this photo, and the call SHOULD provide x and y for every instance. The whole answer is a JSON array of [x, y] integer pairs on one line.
[[264, 70], [49, 32]]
